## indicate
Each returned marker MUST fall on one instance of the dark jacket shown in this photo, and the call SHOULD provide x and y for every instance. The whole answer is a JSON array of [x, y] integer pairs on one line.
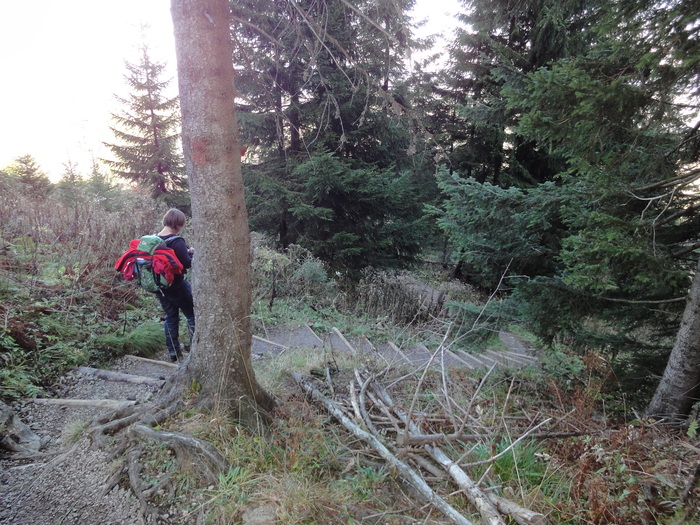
[[179, 246]]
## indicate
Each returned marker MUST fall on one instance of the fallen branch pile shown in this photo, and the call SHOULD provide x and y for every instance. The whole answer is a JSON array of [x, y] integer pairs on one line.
[[396, 434]]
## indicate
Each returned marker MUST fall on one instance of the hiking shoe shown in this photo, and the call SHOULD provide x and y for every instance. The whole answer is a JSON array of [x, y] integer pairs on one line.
[[173, 358]]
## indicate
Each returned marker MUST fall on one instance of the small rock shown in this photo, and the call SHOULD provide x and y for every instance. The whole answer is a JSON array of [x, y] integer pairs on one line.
[[265, 514]]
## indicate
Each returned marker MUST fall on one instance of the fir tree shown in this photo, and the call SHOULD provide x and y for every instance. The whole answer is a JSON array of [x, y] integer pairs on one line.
[[324, 80], [29, 174], [147, 135], [610, 221]]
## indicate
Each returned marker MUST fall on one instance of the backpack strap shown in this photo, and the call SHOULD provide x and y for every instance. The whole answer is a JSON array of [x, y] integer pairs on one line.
[[170, 239]]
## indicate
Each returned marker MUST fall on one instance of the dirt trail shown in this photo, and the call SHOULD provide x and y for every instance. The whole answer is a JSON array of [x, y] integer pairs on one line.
[[64, 483]]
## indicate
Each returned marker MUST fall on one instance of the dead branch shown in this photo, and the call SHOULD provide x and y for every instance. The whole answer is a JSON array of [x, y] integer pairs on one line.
[[690, 485], [432, 439], [508, 448], [363, 403], [407, 472], [521, 515], [427, 465], [474, 494]]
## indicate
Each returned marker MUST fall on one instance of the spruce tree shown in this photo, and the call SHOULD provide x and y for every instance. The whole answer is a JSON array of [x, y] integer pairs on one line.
[[614, 234], [323, 79], [147, 146], [29, 174]]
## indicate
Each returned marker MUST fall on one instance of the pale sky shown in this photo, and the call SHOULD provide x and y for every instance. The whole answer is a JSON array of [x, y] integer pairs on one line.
[[62, 62]]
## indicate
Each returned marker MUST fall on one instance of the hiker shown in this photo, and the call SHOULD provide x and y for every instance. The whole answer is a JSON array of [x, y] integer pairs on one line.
[[177, 297]]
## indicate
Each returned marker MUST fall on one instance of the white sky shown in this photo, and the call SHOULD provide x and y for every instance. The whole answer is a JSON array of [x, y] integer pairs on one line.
[[62, 62]]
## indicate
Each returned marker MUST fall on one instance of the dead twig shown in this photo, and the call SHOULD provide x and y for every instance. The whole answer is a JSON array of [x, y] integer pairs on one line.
[[407, 472], [476, 497]]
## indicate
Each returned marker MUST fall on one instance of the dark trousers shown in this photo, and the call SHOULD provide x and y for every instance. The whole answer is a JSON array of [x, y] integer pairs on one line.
[[176, 299]]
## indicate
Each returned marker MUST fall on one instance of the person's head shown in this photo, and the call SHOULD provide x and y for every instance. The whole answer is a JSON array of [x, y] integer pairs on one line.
[[174, 219]]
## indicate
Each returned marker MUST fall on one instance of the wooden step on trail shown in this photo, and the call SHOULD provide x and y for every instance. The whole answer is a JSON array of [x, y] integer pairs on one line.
[[108, 375], [475, 361], [457, 357], [284, 348], [71, 402], [340, 342], [522, 359], [280, 339], [151, 361], [499, 357]]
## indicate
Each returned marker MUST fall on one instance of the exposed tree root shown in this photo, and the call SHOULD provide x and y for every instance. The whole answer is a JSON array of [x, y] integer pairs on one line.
[[192, 453], [125, 431]]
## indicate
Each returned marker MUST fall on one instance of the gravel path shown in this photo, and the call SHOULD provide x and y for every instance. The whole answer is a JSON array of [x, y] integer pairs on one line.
[[64, 483]]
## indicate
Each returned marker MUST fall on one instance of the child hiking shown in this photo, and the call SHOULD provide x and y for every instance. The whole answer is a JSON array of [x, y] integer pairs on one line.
[[178, 296]]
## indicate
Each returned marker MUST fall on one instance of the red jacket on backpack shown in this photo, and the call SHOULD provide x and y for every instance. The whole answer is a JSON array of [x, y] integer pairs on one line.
[[163, 262]]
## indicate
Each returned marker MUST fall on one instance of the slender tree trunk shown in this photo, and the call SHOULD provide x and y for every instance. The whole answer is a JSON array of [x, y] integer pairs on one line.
[[678, 389], [220, 362]]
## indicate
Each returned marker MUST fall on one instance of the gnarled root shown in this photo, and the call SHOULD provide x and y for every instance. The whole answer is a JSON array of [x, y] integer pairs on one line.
[[148, 512], [192, 454], [132, 426]]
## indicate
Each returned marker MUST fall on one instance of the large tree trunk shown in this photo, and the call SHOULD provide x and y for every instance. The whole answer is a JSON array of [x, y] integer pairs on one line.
[[678, 389], [220, 361]]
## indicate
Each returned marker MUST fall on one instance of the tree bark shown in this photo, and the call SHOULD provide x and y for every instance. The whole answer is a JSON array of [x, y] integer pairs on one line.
[[220, 361], [678, 388]]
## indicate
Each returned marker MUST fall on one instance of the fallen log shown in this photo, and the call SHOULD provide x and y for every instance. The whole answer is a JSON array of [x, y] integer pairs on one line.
[[109, 375], [407, 472]]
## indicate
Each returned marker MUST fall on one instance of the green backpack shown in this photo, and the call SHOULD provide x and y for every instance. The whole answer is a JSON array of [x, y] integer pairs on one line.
[[147, 277]]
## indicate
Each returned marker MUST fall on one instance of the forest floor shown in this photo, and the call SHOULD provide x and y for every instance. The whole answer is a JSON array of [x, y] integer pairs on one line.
[[66, 481]]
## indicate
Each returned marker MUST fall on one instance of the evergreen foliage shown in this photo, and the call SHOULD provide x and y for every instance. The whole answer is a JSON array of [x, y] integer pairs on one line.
[[147, 150], [323, 80], [27, 172], [355, 218], [583, 107]]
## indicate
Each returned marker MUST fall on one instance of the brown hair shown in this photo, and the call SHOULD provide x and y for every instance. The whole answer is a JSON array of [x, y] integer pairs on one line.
[[174, 219]]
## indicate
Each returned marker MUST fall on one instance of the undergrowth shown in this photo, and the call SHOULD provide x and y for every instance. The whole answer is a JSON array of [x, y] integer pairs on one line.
[[61, 305]]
